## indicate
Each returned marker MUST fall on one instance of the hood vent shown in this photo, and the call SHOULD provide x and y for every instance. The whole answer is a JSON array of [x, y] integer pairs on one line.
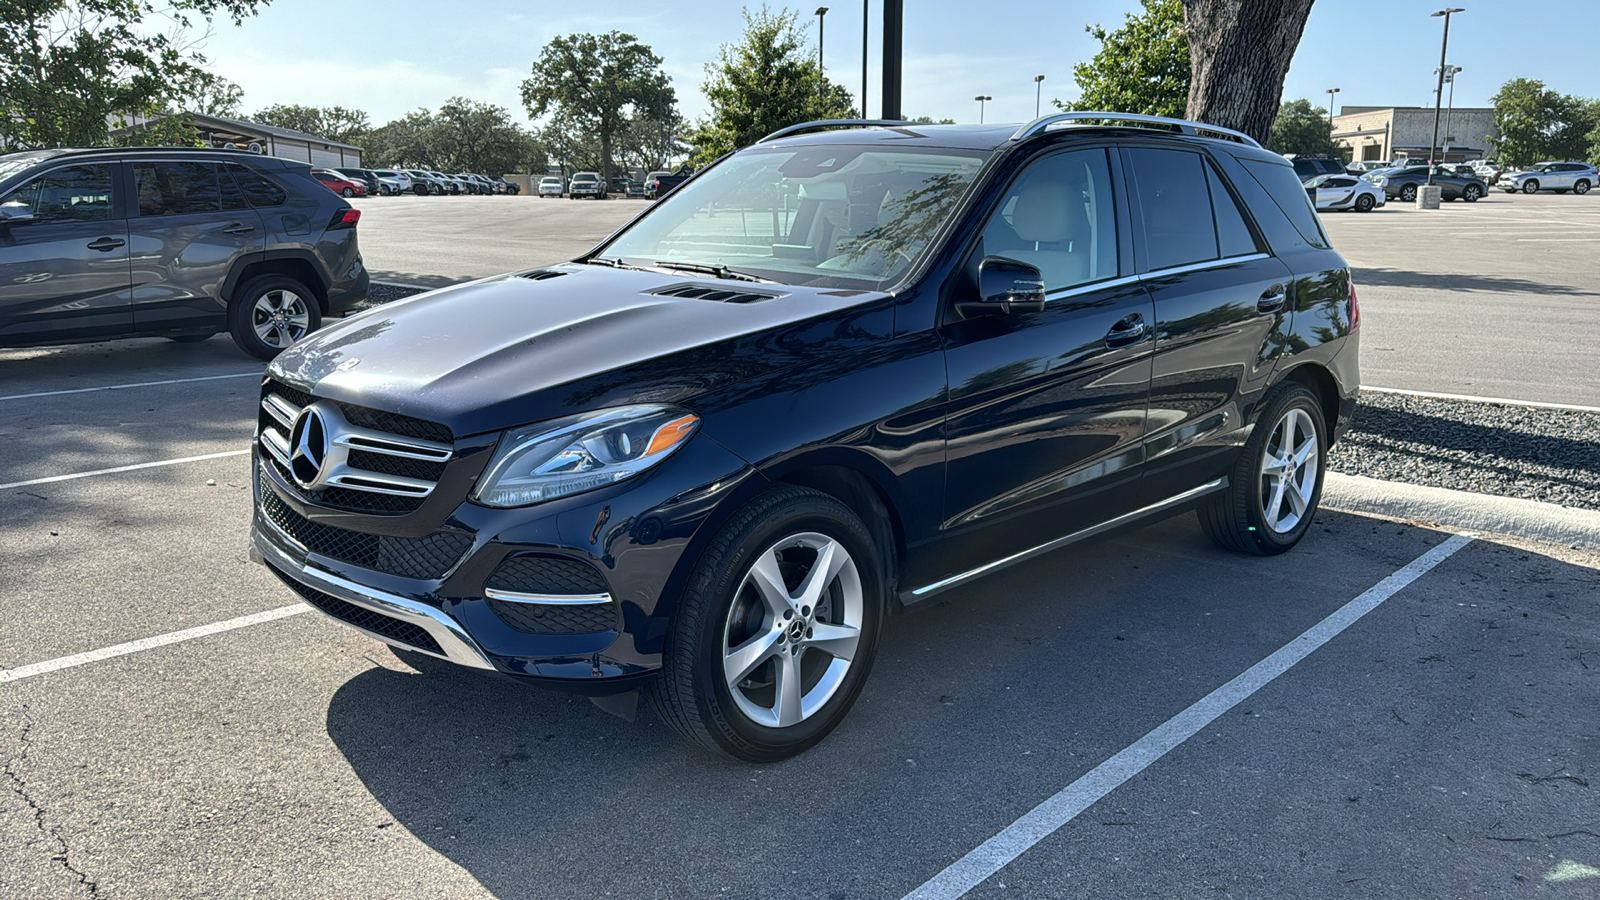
[[540, 274], [720, 295]]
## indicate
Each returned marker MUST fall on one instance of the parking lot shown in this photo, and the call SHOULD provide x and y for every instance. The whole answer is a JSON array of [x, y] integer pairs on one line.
[[1194, 722]]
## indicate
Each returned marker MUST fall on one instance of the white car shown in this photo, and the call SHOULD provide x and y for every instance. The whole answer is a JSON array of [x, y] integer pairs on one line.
[[1346, 192], [400, 181], [551, 186]]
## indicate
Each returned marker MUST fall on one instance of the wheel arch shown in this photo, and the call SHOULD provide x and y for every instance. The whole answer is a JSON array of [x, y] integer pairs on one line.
[[296, 265], [1321, 383]]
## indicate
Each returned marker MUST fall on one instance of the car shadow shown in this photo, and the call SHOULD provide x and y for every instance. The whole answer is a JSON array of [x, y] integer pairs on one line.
[[1488, 284]]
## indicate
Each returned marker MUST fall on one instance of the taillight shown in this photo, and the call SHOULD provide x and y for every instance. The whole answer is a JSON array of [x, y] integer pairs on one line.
[[345, 218], [1355, 307]]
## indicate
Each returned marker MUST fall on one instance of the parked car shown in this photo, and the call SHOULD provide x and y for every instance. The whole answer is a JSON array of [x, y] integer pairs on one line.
[[511, 187], [1362, 167], [658, 184], [171, 242], [427, 183], [1560, 177], [488, 185], [586, 184], [339, 184], [453, 184], [399, 181], [1309, 167], [709, 470], [550, 186], [1403, 184], [1488, 171], [621, 185], [363, 177], [1334, 192]]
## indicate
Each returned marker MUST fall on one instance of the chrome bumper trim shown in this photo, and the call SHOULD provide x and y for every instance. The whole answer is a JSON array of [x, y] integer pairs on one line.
[[922, 593], [547, 599], [458, 646]]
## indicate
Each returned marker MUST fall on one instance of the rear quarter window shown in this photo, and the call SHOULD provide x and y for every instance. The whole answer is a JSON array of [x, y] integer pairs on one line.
[[1289, 195], [257, 188]]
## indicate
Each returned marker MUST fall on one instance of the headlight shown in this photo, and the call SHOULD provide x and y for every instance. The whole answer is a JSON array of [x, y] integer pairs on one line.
[[581, 453]]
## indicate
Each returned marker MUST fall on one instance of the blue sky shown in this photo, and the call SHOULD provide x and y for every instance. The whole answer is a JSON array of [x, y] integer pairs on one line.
[[392, 56]]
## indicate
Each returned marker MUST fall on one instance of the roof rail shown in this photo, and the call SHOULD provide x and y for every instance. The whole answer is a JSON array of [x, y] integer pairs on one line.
[[830, 123], [1195, 129]]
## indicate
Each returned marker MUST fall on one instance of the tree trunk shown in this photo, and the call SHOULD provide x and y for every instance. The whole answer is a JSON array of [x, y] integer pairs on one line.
[[1239, 53], [605, 157]]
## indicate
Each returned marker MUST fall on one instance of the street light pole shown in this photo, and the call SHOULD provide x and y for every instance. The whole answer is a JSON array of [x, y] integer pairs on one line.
[[1331, 92], [1038, 93], [1444, 47], [1450, 107], [981, 98], [864, 58], [822, 12]]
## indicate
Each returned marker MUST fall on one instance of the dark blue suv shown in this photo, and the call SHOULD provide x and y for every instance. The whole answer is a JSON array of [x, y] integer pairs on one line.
[[838, 372]]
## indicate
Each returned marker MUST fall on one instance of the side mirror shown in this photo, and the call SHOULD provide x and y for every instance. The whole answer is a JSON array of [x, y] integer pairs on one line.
[[15, 213], [1005, 286]]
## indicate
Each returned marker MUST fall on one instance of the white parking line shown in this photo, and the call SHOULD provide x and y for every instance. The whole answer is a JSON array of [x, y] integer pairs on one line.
[[1043, 820], [123, 387], [149, 643], [1468, 398], [148, 465]]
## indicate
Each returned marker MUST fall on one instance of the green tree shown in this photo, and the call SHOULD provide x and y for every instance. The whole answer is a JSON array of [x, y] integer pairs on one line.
[[335, 123], [768, 80], [1142, 67], [68, 67], [1536, 123], [405, 143], [598, 83], [480, 137], [1303, 129]]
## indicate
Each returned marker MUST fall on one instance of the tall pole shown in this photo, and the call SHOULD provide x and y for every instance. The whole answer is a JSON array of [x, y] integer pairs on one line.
[[1450, 108], [981, 98], [893, 22], [822, 14], [864, 58], [1444, 47], [1331, 92], [1038, 93]]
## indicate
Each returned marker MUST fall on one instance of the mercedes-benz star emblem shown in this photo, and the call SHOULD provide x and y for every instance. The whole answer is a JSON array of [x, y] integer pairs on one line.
[[308, 447]]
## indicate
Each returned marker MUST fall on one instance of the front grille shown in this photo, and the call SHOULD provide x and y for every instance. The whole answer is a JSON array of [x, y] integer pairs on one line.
[[547, 575], [363, 618], [390, 466], [540, 618], [426, 557]]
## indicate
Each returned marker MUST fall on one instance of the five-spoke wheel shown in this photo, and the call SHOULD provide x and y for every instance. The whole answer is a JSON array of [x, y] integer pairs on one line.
[[1276, 485]]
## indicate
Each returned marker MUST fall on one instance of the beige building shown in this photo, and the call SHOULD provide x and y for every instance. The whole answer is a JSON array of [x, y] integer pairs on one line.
[[1390, 132]]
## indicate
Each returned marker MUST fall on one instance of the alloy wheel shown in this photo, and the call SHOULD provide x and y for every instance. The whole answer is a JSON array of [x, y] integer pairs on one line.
[[280, 318], [792, 630], [1408, 193], [1289, 471]]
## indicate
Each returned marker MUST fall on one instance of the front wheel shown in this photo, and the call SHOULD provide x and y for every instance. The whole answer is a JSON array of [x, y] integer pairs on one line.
[[1277, 483], [776, 630], [1530, 186], [269, 313], [347, 193]]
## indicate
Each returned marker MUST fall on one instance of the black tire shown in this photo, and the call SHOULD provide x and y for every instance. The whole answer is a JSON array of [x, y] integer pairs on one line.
[[1235, 519], [347, 193], [1581, 187], [692, 694], [1531, 186], [1471, 193], [190, 338], [1365, 203], [244, 316], [1408, 193]]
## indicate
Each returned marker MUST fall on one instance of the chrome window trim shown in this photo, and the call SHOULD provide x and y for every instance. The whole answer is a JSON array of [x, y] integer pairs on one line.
[[926, 591], [547, 599], [1067, 292], [1201, 266]]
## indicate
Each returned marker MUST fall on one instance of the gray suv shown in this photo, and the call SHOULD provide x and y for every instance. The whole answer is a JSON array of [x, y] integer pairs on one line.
[[171, 242], [1560, 177]]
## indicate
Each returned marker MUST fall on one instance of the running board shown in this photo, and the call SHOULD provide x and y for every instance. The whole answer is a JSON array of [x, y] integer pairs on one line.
[[922, 593]]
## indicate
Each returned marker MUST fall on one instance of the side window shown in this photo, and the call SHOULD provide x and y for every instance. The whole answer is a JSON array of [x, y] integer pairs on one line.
[[1233, 235], [1060, 217], [232, 197], [1175, 204], [1288, 194], [256, 187], [69, 194], [176, 188]]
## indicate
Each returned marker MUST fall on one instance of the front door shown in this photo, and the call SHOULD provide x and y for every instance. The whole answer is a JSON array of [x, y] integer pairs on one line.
[[64, 271], [1047, 409]]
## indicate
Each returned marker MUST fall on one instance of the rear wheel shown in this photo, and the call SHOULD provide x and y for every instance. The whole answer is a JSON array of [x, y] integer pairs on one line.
[[1581, 187], [776, 630], [1531, 186], [1277, 483], [1471, 193], [270, 313]]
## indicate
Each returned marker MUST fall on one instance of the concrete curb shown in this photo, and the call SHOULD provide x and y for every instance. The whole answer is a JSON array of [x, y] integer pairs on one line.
[[1464, 510]]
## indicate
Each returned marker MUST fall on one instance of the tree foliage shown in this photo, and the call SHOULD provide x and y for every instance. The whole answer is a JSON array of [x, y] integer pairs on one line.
[[598, 84], [1303, 129], [1142, 67], [1239, 53], [335, 123], [1536, 123], [70, 67], [464, 136], [767, 80]]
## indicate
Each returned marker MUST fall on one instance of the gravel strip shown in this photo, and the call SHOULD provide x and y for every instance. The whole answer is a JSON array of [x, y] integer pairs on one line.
[[1548, 455], [1552, 456]]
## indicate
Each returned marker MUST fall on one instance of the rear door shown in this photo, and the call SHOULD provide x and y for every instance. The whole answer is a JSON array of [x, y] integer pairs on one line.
[[1220, 314], [1335, 192], [64, 274], [192, 226], [1047, 410]]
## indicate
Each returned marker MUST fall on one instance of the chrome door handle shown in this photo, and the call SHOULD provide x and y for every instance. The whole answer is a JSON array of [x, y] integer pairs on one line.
[[1128, 330], [1272, 299]]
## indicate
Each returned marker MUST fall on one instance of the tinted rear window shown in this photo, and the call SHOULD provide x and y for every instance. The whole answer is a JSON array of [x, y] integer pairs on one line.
[[1290, 196], [257, 188]]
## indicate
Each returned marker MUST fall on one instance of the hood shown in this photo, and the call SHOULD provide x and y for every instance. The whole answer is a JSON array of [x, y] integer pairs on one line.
[[514, 349]]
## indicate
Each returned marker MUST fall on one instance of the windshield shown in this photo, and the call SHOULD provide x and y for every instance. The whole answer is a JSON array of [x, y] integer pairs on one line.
[[835, 216], [585, 176], [12, 163]]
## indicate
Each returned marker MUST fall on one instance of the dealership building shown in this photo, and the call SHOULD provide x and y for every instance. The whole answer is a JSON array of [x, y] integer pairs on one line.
[[1391, 132]]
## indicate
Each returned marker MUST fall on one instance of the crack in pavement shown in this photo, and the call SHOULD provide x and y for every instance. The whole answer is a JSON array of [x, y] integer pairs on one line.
[[19, 786]]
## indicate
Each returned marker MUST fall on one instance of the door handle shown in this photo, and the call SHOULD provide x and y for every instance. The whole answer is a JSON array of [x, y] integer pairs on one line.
[[238, 228], [1272, 299], [107, 244], [1128, 330]]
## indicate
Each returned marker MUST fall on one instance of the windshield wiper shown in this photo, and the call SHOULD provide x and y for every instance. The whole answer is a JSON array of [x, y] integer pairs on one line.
[[607, 261], [712, 270]]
